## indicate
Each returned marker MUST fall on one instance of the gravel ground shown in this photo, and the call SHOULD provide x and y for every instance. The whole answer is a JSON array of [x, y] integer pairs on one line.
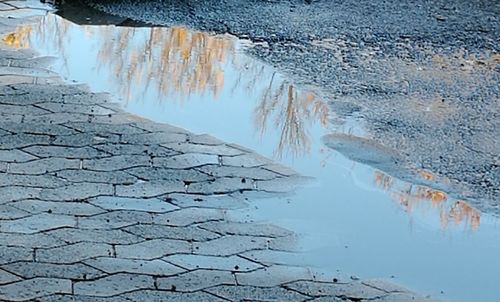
[[424, 75]]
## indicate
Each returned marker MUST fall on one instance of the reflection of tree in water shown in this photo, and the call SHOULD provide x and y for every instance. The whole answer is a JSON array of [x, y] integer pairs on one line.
[[411, 196], [177, 63]]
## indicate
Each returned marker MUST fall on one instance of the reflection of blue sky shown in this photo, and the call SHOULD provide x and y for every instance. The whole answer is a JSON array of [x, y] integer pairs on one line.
[[347, 223]]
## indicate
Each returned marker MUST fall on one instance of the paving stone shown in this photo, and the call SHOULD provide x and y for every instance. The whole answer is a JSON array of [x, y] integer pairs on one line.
[[352, 290], [113, 285], [251, 293], [48, 270], [65, 208], [15, 156], [118, 162], [8, 212], [196, 280], [384, 285], [229, 245], [74, 253], [246, 229], [58, 118], [246, 160], [220, 186], [238, 172], [188, 216], [274, 276], [36, 181], [114, 177], [149, 189], [11, 118], [270, 257], [75, 108], [204, 149], [105, 128], [6, 277], [185, 161], [280, 169], [80, 298], [154, 173], [72, 235], [84, 139], [45, 165], [222, 201], [115, 220], [152, 249], [85, 98], [12, 193], [326, 299], [40, 129], [10, 254], [123, 203], [30, 241], [129, 149], [16, 141], [65, 152], [286, 244], [21, 109], [232, 263], [153, 138], [155, 231], [34, 288], [36, 223], [204, 139], [76, 192], [145, 267], [170, 296]]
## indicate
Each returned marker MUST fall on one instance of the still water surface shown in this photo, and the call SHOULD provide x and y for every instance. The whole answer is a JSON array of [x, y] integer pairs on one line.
[[352, 220]]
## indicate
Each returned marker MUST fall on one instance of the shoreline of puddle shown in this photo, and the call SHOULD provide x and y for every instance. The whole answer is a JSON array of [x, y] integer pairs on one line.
[[362, 220]]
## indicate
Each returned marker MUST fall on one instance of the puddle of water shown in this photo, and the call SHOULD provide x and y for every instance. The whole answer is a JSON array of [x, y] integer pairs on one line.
[[354, 219]]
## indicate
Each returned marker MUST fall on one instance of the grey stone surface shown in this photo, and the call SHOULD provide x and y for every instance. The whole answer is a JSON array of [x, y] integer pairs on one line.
[[10, 254], [15, 156], [152, 249], [221, 201], [76, 192], [114, 177], [230, 245], [156, 231], [246, 229], [204, 149], [196, 280], [42, 166], [6, 277], [186, 161], [74, 253], [189, 216], [37, 223], [34, 288], [252, 293], [170, 296], [232, 263], [123, 203], [150, 189], [73, 235], [118, 162], [30, 270], [71, 208], [352, 290], [36, 181], [29, 241], [273, 276], [65, 151], [147, 267], [113, 285], [114, 220], [154, 173]]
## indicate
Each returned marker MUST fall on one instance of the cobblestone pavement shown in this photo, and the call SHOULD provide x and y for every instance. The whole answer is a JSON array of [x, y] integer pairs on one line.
[[100, 205]]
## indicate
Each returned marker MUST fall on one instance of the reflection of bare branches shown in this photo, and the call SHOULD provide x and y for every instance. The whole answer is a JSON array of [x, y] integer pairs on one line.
[[176, 63], [411, 196]]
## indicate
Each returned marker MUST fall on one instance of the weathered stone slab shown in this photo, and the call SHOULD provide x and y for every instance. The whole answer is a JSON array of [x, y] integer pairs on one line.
[[402, 297], [72, 235], [114, 177], [153, 138], [221, 186], [273, 276], [232, 263], [40, 129], [238, 172], [15, 156], [155, 173], [66, 208], [36, 223], [30, 241], [76, 192], [185, 161], [34, 288], [155, 231], [137, 204], [246, 229], [188, 216], [149, 189], [45, 165], [8, 212], [113, 285], [114, 220], [282, 184], [10, 254], [204, 139], [252, 293], [229, 245], [129, 149], [59, 118], [222, 201], [353, 290], [6, 277], [36, 181], [21, 109], [99, 128], [152, 249], [204, 149], [16, 141], [65, 152], [134, 266], [74, 253], [48, 270], [196, 280], [245, 160], [118, 162], [74, 108], [270, 257], [171, 296], [12, 193], [84, 139]]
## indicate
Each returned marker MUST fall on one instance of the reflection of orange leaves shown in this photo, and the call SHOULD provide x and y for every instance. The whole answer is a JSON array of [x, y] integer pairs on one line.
[[426, 175], [462, 211], [18, 39]]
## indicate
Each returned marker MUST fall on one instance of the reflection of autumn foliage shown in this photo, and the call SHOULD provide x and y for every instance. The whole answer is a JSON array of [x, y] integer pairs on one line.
[[409, 197], [18, 39], [291, 109], [176, 63]]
